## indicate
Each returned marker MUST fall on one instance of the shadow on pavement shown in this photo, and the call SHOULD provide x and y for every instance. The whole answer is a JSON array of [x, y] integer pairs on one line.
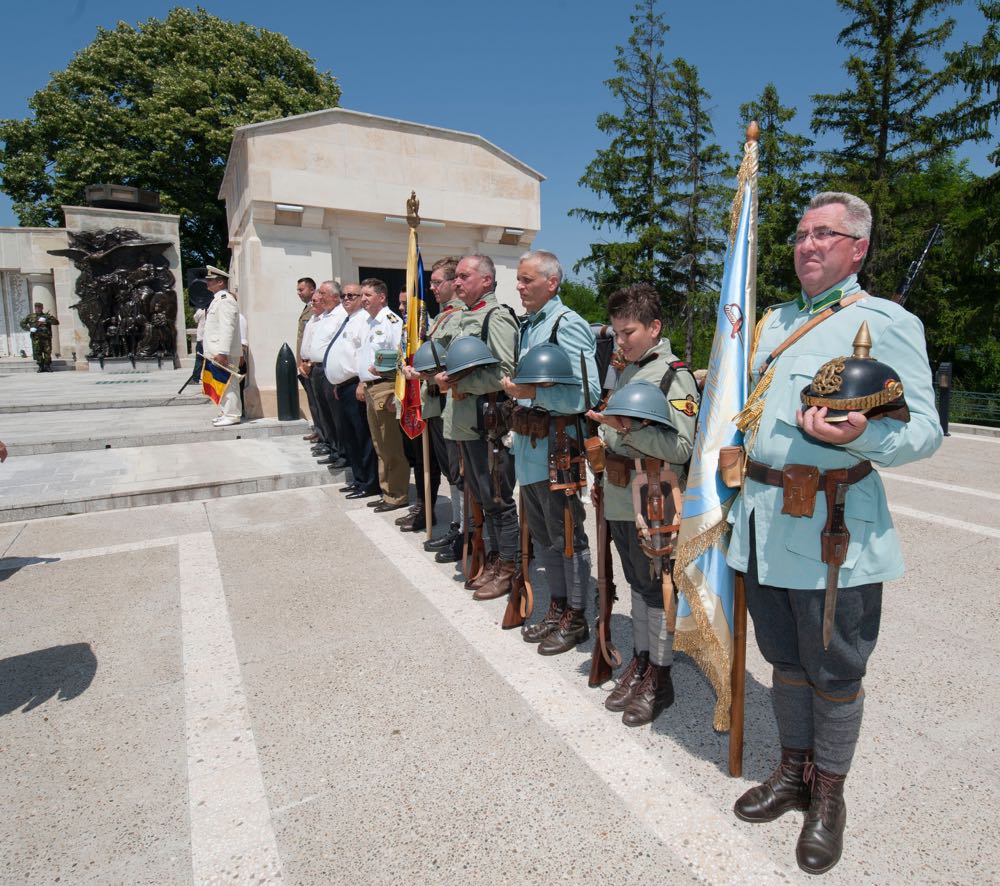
[[10, 565], [31, 679]]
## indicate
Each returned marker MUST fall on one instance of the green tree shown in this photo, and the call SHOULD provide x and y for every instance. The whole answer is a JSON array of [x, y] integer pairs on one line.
[[634, 174], [584, 300], [698, 201], [888, 121], [155, 106], [978, 66], [783, 191]]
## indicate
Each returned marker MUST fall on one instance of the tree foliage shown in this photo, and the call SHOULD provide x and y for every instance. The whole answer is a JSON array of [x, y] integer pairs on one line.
[[783, 190], [633, 175], [155, 106]]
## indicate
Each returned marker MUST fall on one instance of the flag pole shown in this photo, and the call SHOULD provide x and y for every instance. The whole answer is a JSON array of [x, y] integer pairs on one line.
[[738, 676]]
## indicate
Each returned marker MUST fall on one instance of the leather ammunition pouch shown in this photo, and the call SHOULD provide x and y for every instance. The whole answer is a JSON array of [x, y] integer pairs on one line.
[[593, 448], [800, 483], [531, 422], [618, 469], [493, 414], [731, 460]]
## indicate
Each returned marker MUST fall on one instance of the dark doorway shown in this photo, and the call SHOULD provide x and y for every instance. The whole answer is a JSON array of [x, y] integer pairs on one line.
[[395, 279]]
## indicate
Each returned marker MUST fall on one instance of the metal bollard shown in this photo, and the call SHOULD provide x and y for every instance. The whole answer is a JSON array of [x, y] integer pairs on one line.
[[943, 379], [286, 384]]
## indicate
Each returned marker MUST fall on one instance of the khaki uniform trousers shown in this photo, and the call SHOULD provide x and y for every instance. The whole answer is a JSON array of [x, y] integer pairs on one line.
[[387, 438]]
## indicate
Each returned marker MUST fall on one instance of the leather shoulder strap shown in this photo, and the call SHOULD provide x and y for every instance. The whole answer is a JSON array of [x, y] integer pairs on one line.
[[812, 323]]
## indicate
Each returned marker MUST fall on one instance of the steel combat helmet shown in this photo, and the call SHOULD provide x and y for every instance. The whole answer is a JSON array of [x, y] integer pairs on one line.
[[468, 352], [430, 357], [546, 363], [642, 400], [858, 383]]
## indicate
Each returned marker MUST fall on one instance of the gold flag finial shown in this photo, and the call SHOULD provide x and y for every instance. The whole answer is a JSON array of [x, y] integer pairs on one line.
[[413, 211], [753, 132], [863, 342]]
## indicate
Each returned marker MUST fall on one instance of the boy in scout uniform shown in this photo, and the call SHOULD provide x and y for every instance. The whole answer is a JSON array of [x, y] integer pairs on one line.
[[644, 688], [816, 620]]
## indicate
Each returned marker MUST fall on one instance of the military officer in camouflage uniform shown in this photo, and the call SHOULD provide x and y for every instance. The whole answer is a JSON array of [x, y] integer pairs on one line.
[[39, 323], [644, 688]]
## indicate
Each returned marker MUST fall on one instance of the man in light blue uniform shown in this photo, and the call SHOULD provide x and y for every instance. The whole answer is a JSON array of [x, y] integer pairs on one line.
[[817, 692], [539, 276]]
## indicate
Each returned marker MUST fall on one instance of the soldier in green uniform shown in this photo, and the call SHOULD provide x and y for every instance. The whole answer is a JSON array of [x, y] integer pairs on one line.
[[39, 323], [644, 688]]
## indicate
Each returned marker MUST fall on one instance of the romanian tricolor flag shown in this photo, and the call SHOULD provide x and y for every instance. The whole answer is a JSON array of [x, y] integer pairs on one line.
[[408, 391], [215, 379], [706, 584]]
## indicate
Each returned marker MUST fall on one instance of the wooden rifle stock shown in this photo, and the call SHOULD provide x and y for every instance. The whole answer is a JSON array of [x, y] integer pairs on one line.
[[473, 550], [605, 656], [521, 600]]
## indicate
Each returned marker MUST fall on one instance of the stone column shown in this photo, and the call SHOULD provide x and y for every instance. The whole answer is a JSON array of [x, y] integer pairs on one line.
[[42, 288]]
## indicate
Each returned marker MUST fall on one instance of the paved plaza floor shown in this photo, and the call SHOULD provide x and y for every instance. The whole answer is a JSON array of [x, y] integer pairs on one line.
[[281, 687]]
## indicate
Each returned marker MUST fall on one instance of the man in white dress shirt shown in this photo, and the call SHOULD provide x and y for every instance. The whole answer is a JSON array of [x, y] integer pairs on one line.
[[222, 341]]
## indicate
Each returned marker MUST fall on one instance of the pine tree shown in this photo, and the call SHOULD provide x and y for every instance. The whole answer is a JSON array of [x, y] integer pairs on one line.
[[635, 172], [887, 121], [783, 191], [698, 199]]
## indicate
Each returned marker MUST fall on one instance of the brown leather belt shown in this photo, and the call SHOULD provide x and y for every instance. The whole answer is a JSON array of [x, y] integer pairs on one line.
[[800, 483], [761, 473]]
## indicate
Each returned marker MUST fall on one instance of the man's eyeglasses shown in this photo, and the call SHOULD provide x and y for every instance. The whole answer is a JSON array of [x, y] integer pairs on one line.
[[350, 297], [820, 235], [437, 283]]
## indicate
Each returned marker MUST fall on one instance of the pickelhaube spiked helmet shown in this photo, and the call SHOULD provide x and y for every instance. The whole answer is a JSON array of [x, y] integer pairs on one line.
[[545, 363], [642, 400], [430, 357], [858, 383], [468, 352]]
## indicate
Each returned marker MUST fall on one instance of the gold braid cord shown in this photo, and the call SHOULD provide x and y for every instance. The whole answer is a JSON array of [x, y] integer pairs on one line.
[[748, 419], [747, 174], [702, 644]]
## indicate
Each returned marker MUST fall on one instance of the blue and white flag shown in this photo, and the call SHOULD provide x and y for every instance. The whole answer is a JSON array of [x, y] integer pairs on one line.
[[704, 581]]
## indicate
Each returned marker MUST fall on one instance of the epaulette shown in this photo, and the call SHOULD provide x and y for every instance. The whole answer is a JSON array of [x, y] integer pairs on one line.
[[394, 319], [649, 358]]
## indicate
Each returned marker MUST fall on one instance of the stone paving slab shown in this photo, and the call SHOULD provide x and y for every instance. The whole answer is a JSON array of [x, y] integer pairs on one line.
[[99, 480], [42, 433]]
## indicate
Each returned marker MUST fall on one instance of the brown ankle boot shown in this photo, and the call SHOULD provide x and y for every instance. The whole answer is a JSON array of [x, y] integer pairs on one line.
[[784, 790], [486, 576], [571, 630], [628, 682], [822, 838], [537, 632], [500, 583], [653, 695]]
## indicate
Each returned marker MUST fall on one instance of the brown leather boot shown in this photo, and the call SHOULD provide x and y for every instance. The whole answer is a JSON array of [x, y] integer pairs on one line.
[[537, 632], [501, 582], [572, 629], [784, 790], [628, 682], [822, 838], [486, 576], [653, 695]]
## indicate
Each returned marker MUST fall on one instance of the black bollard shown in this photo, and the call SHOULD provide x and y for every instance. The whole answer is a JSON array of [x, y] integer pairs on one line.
[[944, 395], [286, 383]]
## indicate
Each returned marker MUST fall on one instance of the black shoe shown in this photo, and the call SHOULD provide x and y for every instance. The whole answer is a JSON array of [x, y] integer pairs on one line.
[[571, 631], [821, 840], [360, 493], [327, 460], [339, 464], [784, 790], [384, 506], [537, 632], [452, 554], [350, 487], [445, 541], [377, 502]]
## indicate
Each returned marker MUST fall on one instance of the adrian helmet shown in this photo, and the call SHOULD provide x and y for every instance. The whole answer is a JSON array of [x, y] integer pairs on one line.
[[642, 400], [430, 357], [546, 363], [858, 383], [468, 352]]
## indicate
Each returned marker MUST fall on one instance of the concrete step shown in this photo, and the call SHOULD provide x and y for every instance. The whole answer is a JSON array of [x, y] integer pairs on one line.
[[53, 485], [77, 430], [117, 389], [15, 365]]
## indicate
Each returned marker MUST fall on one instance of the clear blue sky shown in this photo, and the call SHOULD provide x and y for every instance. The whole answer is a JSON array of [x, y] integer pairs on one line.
[[528, 76]]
